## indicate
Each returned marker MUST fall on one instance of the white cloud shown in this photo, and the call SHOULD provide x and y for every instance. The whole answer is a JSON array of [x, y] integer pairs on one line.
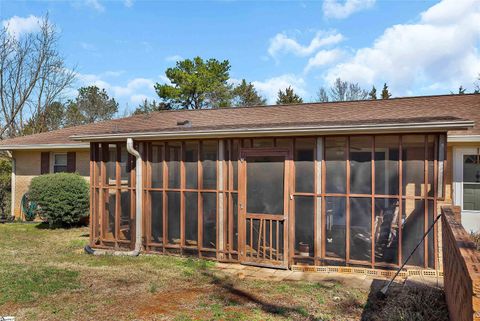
[[282, 43], [95, 4], [113, 73], [270, 87], [128, 3], [342, 9], [441, 50], [173, 58], [134, 90], [17, 26], [323, 58]]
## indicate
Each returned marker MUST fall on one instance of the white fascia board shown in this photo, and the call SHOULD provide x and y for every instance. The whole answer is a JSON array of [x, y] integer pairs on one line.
[[295, 130], [44, 146], [463, 138]]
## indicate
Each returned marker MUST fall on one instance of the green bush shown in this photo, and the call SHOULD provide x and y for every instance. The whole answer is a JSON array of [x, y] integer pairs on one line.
[[63, 198], [5, 186]]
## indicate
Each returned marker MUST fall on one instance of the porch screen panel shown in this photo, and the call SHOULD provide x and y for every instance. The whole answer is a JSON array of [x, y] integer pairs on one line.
[[431, 235], [125, 166], [262, 142], [191, 165], [386, 165], [413, 228], [413, 157], [304, 225], [174, 158], [386, 233], [173, 217], [110, 164], [304, 165], [360, 228], [156, 210], [265, 175], [361, 164], [335, 162], [125, 215], [209, 164], [235, 220], [156, 166], [110, 210], [430, 164], [191, 219], [335, 220], [209, 220]]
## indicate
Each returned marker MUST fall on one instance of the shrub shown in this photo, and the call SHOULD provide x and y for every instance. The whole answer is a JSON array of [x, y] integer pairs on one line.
[[63, 198], [5, 186]]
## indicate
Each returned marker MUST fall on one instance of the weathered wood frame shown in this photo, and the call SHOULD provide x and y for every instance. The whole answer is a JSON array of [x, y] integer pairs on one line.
[[228, 187]]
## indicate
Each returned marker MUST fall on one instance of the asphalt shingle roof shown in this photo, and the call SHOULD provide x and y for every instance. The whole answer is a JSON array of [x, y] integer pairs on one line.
[[397, 110]]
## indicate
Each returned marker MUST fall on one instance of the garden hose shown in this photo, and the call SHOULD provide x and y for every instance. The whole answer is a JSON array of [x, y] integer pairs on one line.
[[29, 208]]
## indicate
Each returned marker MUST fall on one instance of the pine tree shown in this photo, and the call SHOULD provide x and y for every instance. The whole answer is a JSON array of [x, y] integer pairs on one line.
[[245, 95], [385, 93], [288, 97], [372, 95]]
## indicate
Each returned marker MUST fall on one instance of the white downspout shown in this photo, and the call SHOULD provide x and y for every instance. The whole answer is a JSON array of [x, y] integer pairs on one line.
[[138, 194], [138, 209]]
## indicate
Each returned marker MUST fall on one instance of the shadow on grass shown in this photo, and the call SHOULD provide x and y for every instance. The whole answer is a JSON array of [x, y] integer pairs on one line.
[[46, 226], [413, 302], [243, 297]]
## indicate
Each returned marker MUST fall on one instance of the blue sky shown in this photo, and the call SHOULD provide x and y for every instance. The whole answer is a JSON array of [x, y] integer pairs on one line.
[[417, 47]]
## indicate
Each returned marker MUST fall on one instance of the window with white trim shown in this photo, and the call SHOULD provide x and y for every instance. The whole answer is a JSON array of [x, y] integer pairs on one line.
[[471, 182], [59, 163]]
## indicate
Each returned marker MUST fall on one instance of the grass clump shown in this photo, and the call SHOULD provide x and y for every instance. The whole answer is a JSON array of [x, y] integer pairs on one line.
[[22, 284]]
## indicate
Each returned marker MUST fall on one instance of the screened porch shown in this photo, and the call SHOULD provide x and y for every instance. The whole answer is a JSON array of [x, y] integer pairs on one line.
[[359, 200]]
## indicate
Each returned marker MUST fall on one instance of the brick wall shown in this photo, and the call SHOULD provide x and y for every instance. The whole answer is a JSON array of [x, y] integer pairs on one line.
[[27, 166], [461, 264]]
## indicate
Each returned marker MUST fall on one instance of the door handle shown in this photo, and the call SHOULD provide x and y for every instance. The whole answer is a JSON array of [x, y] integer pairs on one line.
[[241, 206]]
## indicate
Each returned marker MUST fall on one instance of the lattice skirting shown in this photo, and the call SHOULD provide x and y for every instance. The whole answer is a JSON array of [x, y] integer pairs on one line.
[[369, 272]]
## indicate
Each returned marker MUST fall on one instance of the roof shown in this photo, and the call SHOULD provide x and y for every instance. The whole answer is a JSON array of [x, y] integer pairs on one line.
[[455, 113]]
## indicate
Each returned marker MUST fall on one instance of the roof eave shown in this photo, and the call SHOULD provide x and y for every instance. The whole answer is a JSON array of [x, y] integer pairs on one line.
[[44, 146], [464, 138], [441, 126]]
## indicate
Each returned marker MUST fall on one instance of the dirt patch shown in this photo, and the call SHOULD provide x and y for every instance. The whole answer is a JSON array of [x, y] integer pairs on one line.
[[170, 303]]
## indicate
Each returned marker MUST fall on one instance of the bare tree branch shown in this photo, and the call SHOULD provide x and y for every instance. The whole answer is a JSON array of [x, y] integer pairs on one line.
[[32, 76]]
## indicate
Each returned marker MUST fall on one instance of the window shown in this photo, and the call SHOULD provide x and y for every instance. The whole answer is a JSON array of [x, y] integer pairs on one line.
[[59, 163], [471, 182]]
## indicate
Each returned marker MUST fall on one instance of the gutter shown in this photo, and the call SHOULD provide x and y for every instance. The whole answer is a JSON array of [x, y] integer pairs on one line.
[[43, 146], [463, 138], [312, 130], [138, 209]]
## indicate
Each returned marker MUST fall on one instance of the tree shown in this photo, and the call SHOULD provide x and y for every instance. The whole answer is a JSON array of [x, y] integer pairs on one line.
[[91, 105], [288, 97], [32, 75], [245, 94], [385, 93], [147, 107], [373, 93], [477, 86], [5, 186], [196, 84], [51, 118], [342, 91], [322, 96], [461, 90]]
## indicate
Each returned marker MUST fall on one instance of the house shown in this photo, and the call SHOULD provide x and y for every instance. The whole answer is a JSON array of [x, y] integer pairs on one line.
[[354, 183]]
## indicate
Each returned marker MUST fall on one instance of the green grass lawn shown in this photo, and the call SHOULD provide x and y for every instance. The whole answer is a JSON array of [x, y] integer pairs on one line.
[[45, 275]]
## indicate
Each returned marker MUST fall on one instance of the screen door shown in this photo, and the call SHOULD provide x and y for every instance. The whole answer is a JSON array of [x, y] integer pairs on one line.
[[263, 207]]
